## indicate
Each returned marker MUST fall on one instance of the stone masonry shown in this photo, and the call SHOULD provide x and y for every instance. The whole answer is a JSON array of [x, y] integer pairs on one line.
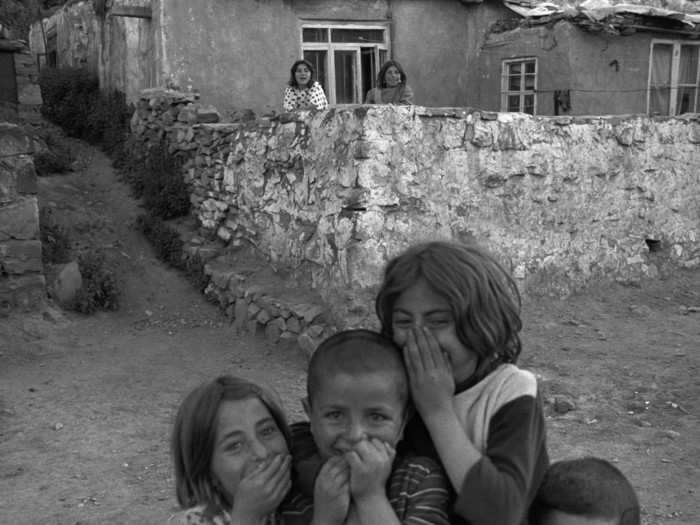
[[22, 284], [328, 197]]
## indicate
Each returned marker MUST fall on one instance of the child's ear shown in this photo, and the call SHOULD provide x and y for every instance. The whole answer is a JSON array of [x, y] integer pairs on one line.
[[306, 405]]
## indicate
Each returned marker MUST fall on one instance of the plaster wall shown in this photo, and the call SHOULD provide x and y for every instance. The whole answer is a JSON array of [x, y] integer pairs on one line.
[[436, 41], [127, 55], [331, 196], [606, 74], [78, 35]]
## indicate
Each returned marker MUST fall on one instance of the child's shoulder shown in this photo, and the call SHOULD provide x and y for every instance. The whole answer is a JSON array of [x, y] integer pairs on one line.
[[197, 516], [506, 383]]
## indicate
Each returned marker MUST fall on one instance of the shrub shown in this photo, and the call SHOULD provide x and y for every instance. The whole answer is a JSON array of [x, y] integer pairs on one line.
[[155, 175], [68, 95], [55, 242], [165, 240], [73, 100], [100, 290]]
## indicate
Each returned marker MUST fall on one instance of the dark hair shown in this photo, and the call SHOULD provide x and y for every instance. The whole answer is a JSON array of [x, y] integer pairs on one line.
[[589, 487], [484, 299], [292, 79], [381, 81], [194, 434], [358, 352]]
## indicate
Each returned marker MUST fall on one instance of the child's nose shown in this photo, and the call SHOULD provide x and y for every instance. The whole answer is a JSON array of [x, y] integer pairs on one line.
[[259, 450], [356, 432]]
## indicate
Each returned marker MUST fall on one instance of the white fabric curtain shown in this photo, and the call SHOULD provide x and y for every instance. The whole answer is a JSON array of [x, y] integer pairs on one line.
[[660, 82]]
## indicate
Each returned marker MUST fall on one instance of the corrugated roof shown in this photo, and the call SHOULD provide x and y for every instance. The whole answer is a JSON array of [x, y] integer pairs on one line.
[[685, 12]]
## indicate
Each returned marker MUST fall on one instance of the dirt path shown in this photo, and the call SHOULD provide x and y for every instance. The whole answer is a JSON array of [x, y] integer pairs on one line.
[[86, 403]]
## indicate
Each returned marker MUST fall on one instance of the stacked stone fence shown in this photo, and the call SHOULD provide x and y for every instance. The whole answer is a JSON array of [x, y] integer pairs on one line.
[[22, 284], [328, 197]]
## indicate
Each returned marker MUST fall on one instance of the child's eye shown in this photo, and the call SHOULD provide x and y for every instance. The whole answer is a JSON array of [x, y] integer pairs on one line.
[[234, 446], [378, 417], [438, 323], [333, 414], [268, 431], [402, 323]]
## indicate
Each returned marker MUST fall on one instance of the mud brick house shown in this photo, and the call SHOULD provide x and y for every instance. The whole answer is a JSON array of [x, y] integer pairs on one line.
[[592, 59], [238, 53], [499, 55]]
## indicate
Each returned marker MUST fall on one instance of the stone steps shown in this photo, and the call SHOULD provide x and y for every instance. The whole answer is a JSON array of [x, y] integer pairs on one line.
[[258, 298]]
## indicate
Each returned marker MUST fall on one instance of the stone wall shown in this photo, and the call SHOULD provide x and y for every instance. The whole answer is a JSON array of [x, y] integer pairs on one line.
[[28, 100], [22, 283], [330, 196]]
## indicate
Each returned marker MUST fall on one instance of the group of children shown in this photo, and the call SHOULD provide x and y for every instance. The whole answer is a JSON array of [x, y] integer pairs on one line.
[[428, 422]]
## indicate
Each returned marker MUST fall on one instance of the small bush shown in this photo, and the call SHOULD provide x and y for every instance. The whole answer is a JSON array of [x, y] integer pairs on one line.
[[55, 242], [155, 176], [68, 95], [165, 240], [100, 290], [73, 100], [194, 269]]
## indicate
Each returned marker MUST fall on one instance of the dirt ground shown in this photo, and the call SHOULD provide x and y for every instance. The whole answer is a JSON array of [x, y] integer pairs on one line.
[[86, 403]]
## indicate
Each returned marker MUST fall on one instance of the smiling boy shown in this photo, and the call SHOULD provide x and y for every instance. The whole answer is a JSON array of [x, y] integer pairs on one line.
[[358, 406]]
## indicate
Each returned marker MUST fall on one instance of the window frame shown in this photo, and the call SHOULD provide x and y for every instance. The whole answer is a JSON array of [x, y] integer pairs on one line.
[[675, 72], [505, 92], [331, 47]]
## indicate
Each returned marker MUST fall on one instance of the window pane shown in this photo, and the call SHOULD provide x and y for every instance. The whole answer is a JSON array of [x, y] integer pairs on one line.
[[529, 104], [688, 66], [315, 34], [513, 103], [318, 60], [530, 67], [661, 65], [686, 100], [345, 77], [374, 36], [659, 99], [514, 83], [530, 82], [514, 69]]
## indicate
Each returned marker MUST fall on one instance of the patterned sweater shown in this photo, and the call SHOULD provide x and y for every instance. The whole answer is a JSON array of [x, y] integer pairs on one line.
[[303, 98]]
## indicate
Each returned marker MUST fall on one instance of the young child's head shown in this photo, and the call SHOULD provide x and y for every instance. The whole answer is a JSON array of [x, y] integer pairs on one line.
[[302, 74], [462, 295], [586, 491], [222, 429], [357, 389]]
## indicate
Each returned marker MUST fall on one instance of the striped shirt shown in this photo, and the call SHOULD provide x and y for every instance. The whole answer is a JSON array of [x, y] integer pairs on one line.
[[294, 510], [417, 489]]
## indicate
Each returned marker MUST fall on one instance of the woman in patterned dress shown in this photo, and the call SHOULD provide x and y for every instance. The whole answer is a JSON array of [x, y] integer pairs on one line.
[[303, 91]]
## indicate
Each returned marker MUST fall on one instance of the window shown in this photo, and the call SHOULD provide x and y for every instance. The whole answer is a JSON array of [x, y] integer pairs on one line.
[[674, 78], [347, 58], [519, 85]]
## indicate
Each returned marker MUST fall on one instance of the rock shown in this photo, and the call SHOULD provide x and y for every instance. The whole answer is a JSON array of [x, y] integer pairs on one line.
[[672, 434], [67, 284], [240, 315], [274, 329], [293, 325], [563, 404]]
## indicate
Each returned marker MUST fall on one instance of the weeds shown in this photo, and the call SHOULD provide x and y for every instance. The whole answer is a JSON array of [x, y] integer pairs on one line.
[[55, 242], [100, 289]]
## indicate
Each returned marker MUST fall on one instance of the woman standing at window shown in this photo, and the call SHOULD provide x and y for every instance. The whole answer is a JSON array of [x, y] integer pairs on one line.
[[391, 86], [303, 92]]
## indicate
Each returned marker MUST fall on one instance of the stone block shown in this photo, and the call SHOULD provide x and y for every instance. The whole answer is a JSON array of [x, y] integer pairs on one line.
[[25, 292], [18, 257], [274, 329], [67, 283], [293, 325], [20, 219]]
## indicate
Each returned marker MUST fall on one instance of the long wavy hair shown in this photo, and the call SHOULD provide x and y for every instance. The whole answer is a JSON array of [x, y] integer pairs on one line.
[[194, 435], [381, 80], [292, 79], [482, 295]]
